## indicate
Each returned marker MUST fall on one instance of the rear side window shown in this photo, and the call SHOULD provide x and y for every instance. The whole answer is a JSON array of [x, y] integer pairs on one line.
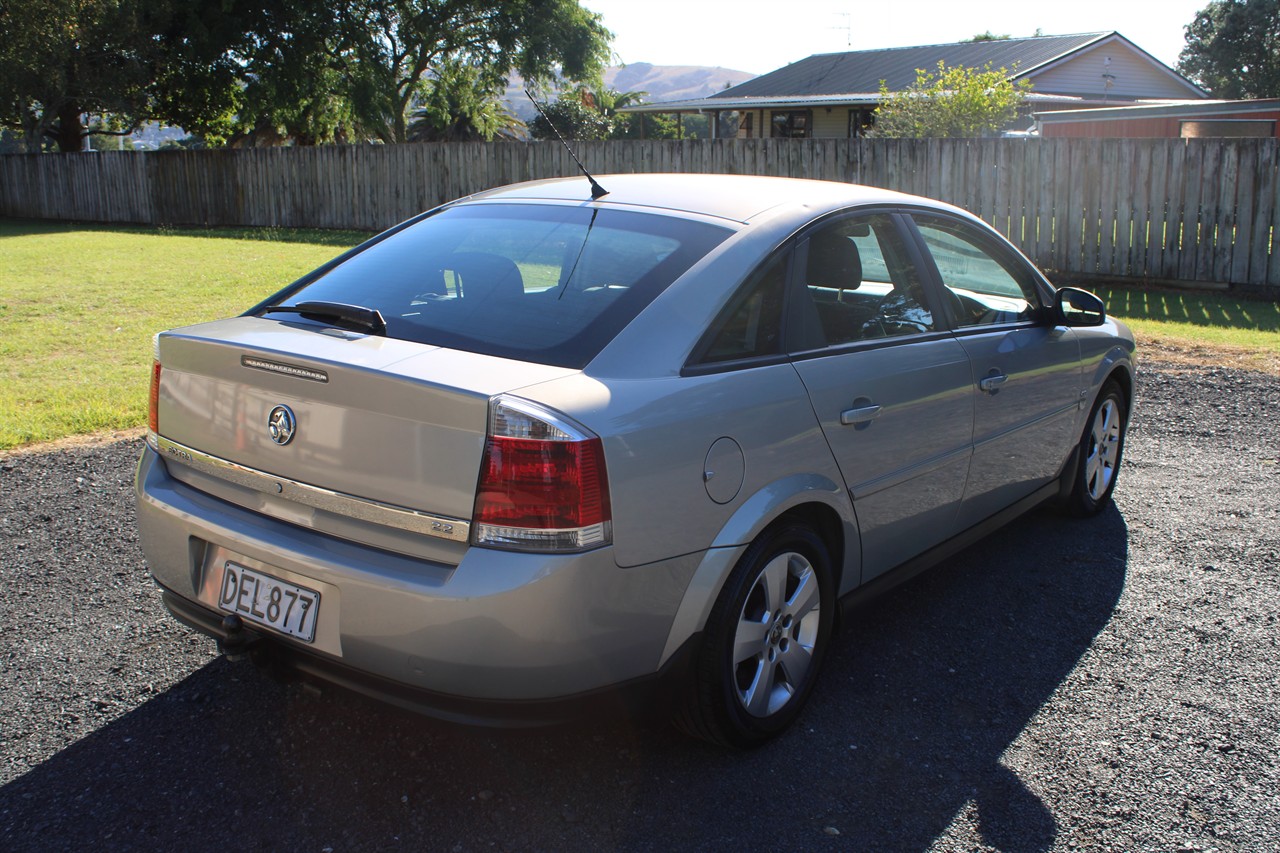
[[753, 326], [546, 284]]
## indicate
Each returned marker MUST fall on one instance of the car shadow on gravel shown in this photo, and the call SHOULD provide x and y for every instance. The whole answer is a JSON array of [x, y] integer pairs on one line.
[[923, 692]]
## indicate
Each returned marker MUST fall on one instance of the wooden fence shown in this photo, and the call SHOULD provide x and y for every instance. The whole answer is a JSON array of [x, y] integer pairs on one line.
[[1201, 211]]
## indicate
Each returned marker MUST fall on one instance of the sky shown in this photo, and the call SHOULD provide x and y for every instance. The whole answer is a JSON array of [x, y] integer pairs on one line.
[[760, 35]]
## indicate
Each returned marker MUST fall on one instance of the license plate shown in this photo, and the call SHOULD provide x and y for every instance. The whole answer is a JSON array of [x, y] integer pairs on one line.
[[266, 600]]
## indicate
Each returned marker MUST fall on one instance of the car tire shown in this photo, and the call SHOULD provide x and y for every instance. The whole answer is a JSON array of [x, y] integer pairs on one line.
[[1101, 449], [764, 641]]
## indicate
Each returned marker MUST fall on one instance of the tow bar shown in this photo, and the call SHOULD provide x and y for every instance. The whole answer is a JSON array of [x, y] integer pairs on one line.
[[238, 642]]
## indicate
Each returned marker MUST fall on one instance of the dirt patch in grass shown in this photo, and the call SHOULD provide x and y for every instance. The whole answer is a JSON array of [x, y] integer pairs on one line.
[[75, 442], [1167, 354]]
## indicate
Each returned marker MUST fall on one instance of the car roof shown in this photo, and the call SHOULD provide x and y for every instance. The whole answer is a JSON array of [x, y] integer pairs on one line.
[[734, 197]]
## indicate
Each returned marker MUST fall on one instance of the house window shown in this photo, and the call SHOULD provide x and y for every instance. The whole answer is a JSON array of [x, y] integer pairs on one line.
[[1237, 128], [861, 119], [790, 124], [746, 125]]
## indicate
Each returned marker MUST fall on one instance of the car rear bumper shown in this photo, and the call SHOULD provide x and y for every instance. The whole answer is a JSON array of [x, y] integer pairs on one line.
[[652, 696], [498, 627]]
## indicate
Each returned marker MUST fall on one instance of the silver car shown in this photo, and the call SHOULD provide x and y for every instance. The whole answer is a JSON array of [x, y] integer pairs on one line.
[[534, 448]]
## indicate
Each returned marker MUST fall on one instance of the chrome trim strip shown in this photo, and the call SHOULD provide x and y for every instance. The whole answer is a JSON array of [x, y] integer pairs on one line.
[[286, 369], [361, 509]]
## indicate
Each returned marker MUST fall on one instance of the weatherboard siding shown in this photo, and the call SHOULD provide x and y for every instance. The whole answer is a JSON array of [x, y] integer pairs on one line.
[[830, 122], [1136, 76]]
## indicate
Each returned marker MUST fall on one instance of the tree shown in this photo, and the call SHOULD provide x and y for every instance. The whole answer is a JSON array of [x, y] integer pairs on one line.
[[1233, 49], [645, 126], [461, 107], [956, 102], [271, 70], [573, 116], [396, 43], [60, 59]]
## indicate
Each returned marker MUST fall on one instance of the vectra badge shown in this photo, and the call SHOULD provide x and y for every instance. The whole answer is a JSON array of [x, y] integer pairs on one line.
[[282, 425]]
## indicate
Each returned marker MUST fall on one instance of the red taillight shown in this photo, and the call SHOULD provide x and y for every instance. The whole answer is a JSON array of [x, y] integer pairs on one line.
[[542, 482], [153, 400]]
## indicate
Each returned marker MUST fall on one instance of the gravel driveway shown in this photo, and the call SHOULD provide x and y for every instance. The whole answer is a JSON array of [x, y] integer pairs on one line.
[[1111, 684]]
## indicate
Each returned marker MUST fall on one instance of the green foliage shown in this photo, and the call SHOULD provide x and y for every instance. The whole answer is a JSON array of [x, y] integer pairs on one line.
[[276, 71], [586, 113], [462, 105], [1233, 49], [61, 58], [990, 36], [953, 102], [645, 126], [396, 43], [572, 117]]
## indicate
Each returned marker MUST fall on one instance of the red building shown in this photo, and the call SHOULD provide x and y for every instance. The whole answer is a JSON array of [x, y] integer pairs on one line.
[[1185, 120]]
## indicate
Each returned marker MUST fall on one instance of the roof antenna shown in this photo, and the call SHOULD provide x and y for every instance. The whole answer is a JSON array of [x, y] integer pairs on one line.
[[597, 191]]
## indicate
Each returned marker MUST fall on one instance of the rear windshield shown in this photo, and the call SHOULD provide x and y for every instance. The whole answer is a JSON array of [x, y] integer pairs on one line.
[[546, 284]]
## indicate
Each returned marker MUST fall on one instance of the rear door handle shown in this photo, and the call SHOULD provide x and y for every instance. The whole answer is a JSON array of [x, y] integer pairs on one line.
[[992, 383], [860, 415]]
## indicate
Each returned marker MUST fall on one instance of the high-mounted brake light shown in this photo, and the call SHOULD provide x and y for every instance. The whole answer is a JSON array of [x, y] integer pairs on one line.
[[542, 482]]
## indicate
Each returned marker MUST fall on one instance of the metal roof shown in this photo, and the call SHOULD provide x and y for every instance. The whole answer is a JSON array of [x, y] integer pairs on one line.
[[869, 99], [854, 77], [862, 70]]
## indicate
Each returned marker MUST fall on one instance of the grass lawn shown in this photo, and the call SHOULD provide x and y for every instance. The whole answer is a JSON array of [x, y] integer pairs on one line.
[[1197, 327], [79, 305]]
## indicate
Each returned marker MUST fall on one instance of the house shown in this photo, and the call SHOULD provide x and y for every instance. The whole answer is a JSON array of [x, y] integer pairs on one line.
[[1185, 120], [834, 94]]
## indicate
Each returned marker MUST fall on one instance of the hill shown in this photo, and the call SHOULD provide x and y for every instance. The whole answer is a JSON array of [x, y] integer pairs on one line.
[[662, 82]]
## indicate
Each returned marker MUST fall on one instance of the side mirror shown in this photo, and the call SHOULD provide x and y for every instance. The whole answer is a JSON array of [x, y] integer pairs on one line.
[[1077, 307]]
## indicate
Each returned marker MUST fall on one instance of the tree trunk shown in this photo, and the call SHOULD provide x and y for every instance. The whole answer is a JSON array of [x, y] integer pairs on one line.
[[69, 134]]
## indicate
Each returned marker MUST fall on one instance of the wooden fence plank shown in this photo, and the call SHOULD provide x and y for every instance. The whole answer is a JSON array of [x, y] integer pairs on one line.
[[1263, 198], [1235, 266]]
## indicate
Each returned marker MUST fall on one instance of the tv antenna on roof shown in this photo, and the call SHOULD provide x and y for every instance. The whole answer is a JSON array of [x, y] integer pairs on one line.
[[848, 28]]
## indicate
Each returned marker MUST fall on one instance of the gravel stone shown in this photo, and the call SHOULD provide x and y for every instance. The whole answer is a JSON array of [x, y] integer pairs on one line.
[[1107, 684]]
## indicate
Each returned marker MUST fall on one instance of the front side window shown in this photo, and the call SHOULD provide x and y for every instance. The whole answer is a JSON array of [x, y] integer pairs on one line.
[[541, 283], [983, 289], [859, 284]]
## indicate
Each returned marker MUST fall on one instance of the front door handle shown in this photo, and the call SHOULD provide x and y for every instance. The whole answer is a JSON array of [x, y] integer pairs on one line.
[[991, 384], [860, 415]]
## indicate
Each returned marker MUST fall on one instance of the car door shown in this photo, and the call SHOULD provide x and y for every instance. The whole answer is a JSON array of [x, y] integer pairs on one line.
[[891, 388], [1026, 369]]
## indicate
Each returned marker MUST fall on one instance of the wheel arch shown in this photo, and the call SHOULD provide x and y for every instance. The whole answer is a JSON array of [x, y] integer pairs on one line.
[[814, 500], [1116, 364], [1123, 376]]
